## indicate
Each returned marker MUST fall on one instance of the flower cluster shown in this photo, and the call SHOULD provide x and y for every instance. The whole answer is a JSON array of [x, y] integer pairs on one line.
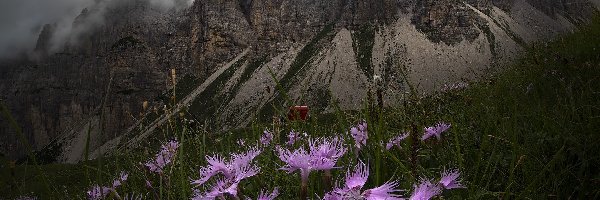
[[322, 154], [360, 134], [164, 157], [100, 192], [239, 167]]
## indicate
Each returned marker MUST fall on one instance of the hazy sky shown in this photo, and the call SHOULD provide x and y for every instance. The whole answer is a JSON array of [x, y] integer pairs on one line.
[[22, 20]]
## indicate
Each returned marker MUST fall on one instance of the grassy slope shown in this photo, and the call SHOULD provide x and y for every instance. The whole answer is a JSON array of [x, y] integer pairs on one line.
[[529, 131]]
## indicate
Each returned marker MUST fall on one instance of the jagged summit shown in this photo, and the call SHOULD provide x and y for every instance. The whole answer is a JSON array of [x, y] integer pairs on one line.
[[120, 55]]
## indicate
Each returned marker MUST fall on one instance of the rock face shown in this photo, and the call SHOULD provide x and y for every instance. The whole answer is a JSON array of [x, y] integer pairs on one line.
[[120, 54]]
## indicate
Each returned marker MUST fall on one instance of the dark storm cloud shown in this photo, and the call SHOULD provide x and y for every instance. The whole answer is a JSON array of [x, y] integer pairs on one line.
[[21, 21]]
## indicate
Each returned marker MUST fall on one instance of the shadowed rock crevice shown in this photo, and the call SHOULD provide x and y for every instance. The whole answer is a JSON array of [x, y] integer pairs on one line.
[[246, 6], [449, 22]]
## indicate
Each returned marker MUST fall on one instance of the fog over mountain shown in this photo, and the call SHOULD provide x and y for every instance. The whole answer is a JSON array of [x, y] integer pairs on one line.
[[21, 21]]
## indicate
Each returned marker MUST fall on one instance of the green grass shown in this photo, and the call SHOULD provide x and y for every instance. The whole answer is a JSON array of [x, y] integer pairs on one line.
[[529, 131]]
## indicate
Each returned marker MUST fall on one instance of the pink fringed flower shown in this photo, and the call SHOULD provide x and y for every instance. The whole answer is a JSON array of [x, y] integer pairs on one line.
[[122, 177], [271, 196], [323, 155], [329, 148], [436, 131], [164, 157], [100, 192], [234, 171], [300, 159], [450, 179], [220, 189], [238, 168], [425, 190], [354, 183], [396, 141]]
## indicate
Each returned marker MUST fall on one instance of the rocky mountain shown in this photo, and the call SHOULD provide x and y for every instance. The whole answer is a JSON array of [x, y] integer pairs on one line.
[[115, 71]]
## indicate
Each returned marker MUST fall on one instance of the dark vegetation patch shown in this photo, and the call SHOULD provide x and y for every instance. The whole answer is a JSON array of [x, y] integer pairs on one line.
[[449, 22], [491, 40], [183, 88], [206, 104], [363, 41], [47, 155], [252, 66], [125, 43], [297, 71]]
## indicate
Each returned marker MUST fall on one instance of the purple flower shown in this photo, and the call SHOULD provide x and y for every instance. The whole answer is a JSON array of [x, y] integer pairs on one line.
[[332, 196], [271, 196], [396, 141], [329, 148], [450, 179], [237, 169], [360, 134], [384, 191], [122, 177], [221, 188], [322, 156], [98, 192], [355, 182], [297, 160], [436, 130], [164, 157], [425, 190], [266, 138], [358, 178], [292, 137]]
